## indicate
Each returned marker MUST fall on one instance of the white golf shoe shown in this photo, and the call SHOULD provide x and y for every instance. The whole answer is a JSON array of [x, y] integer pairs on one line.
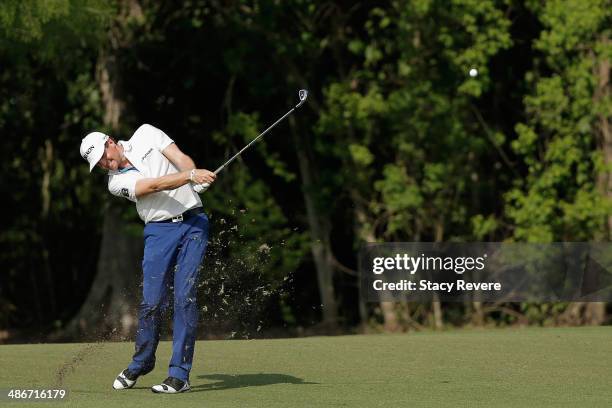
[[171, 385], [124, 380]]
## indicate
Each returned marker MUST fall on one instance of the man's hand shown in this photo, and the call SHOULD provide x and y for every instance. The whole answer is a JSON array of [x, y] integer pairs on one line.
[[201, 176]]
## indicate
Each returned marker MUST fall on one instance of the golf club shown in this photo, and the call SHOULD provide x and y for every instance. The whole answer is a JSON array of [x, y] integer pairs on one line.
[[302, 94]]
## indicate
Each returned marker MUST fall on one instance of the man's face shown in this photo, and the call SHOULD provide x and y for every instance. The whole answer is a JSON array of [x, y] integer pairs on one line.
[[112, 156]]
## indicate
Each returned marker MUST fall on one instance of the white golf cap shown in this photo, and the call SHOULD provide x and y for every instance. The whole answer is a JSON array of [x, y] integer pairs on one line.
[[92, 148]]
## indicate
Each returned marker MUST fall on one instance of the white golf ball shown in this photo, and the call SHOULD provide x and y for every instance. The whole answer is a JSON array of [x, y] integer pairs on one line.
[[473, 72]]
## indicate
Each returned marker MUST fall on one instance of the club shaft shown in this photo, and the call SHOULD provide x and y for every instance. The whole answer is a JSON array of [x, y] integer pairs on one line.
[[253, 141]]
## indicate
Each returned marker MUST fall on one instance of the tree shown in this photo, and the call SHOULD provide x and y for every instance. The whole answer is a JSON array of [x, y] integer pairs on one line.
[[112, 299], [565, 141], [44, 89], [405, 113]]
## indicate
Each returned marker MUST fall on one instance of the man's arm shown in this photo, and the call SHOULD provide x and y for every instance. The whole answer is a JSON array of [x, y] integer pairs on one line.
[[169, 182], [183, 162], [180, 160]]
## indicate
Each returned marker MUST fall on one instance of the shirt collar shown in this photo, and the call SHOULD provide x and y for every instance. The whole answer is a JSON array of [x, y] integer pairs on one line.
[[127, 148]]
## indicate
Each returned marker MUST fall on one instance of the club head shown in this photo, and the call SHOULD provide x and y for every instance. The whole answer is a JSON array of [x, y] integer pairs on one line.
[[303, 95]]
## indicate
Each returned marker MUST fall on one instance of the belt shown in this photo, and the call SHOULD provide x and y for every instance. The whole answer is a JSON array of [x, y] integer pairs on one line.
[[184, 216]]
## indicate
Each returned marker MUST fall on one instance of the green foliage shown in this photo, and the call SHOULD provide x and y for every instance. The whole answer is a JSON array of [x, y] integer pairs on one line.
[[25, 20], [484, 226], [245, 205], [402, 113], [404, 143], [361, 155], [248, 207], [47, 94], [560, 198], [253, 251], [50, 28]]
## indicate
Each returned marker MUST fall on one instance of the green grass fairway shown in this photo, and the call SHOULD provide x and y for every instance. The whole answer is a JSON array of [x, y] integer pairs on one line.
[[568, 367]]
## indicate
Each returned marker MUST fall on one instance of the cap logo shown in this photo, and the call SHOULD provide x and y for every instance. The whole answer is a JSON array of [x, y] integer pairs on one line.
[[125, 192], [88, 151]]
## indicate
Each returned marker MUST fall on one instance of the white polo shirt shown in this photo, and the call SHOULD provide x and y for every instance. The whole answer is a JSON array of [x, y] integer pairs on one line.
[[144, 151]]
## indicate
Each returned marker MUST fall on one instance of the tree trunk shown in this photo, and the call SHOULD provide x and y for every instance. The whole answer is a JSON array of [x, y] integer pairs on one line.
[[595, 312], [602, 94], [319, 226], [388, 310], [436, 305], [112, 302], [47, 157], [477, 314]]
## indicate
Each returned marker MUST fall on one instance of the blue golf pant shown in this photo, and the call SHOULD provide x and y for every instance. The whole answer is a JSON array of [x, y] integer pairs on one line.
[[173, 253]]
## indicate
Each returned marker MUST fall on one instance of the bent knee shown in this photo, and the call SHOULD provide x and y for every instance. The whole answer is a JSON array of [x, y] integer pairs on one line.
[[153, 308]]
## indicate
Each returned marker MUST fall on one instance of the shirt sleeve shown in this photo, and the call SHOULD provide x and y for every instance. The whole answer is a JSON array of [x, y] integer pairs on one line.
[[159, 139], [124, 185]]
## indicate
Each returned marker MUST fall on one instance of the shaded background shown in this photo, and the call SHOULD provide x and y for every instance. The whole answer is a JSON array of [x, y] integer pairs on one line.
[[396, 143]]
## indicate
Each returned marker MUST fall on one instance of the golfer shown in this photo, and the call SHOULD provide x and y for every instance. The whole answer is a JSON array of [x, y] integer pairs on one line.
[[150, 170]]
